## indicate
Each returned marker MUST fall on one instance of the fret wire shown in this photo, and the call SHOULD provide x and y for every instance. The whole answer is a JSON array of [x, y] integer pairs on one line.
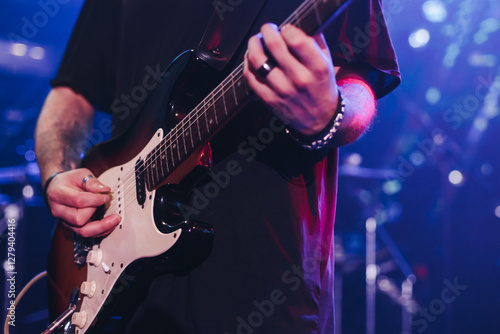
[[224, 103], [199, 130], [150, 158], [172, 155], [174, 134], [160, 162], [215, 111], [191, 137], [234, 90], [190, 123], [206, 121], [169, 140], [178, 149], [164, 158], [302, 11], [217, 108], [155, 165], [158, 165], [150, 177], [184, 140]]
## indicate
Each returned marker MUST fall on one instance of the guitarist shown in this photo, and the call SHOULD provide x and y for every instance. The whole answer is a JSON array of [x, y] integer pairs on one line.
[[271, 269]]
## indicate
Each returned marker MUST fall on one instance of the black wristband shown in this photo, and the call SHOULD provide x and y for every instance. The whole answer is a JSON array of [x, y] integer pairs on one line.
[[321, 139], [46, 186]]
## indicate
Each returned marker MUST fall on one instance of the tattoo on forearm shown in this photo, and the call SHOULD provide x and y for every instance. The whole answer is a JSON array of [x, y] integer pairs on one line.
[[72, 139], [62, 145]]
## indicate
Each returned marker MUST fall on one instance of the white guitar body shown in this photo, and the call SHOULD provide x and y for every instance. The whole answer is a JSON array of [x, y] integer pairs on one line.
[[135, 237]]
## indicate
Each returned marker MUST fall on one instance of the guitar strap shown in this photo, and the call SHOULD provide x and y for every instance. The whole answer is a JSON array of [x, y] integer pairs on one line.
[[228, 25]]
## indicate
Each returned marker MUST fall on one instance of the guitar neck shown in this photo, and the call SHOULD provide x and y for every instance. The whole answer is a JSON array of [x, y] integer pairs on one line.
[[218, 107]]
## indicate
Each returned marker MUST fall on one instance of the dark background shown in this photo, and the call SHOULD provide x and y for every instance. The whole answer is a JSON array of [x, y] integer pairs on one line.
[[442, 120]]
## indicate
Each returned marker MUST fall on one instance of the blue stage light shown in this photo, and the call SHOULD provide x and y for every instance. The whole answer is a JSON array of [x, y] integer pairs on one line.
[[434, 11]]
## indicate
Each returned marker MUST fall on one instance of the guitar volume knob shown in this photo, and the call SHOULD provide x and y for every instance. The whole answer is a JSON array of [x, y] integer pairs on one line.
[[88, 288], [79, 319], [94, 257]]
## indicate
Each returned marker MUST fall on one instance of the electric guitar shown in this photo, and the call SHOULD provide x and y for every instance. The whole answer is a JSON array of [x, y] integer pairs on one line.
[[148, 167]]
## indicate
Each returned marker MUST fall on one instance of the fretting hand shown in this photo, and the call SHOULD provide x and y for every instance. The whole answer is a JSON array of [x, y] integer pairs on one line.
[[301, 89]]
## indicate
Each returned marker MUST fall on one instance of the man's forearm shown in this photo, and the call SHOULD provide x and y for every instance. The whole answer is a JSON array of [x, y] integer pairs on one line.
[[359, 109], [61, 130]]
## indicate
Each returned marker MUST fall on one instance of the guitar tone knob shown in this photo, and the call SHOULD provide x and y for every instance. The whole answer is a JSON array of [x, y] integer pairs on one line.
[[94, 257], [88, 288], [79, 319]]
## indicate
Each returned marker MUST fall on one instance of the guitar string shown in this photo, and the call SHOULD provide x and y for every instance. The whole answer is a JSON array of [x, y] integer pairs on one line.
[[129, 179], [178, 133], [173, 136]]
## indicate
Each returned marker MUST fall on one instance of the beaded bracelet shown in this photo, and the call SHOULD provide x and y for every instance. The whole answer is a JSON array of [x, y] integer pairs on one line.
[[320, 140]]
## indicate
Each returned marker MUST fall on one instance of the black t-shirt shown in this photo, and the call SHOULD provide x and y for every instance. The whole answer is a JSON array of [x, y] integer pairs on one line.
[[272, 266]]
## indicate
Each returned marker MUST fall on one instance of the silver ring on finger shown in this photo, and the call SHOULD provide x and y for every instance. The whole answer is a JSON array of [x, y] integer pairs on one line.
[[85, 179]]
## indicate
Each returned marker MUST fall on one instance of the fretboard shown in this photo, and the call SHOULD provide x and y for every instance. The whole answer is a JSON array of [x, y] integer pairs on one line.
[[232, 94]]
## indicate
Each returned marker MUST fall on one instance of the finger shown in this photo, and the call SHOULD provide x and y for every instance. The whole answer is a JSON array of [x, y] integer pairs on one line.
[[255, 54], [280, 108], [260, 87], [72, 216], [276, 82], [98, 228], [281, 53], [307, 50], [95, 186], [321, 41], [77, 199]]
